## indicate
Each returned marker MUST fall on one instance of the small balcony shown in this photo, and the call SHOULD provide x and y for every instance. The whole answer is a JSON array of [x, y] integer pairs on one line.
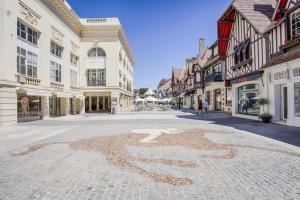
[[215, 77], [28, 80], [56, 85]]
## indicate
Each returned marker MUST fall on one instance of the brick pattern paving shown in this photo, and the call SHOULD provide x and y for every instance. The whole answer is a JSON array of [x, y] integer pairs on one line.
[[208, 162]]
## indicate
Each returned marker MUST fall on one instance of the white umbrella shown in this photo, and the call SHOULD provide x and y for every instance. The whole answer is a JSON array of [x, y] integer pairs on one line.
[[139, 100], [166, 100], [151, 99], [149, 92]]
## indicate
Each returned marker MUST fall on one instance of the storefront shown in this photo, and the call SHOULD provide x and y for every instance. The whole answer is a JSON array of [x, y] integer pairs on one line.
[[283, 83], [248, 95], [29, 108], [31, 104], [245, 92], [98, 102], [75, 104], [59, 104]]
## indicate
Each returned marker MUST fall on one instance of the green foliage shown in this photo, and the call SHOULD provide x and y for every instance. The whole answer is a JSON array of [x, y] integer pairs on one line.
[[262, 101], [143, 90]]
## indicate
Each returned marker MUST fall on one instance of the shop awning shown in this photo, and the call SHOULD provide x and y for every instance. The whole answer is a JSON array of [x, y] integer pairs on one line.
[[81, 97], [41, 93], [64, 95]]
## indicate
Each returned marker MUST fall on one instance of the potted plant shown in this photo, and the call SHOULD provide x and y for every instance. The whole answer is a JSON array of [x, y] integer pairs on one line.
[[265, 117]]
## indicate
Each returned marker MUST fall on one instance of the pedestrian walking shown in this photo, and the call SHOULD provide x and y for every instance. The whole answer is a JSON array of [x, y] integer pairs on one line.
[[200, 107], [206, 106]]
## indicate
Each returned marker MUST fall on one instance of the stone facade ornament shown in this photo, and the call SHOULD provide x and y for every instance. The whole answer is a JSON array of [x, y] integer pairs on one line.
[[29, 15], [57, 36], [74, 48]]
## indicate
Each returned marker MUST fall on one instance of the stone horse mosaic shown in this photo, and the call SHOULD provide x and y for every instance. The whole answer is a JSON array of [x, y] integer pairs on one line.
[[114, 149]]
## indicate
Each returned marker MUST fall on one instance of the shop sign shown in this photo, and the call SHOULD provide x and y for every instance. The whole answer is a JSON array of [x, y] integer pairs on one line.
[[250, 77]]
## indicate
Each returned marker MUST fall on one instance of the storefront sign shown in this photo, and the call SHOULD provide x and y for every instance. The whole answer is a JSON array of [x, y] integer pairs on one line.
[[249, 77]]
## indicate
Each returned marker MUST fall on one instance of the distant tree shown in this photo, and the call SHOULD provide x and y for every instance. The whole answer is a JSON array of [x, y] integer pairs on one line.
[[143, 90]]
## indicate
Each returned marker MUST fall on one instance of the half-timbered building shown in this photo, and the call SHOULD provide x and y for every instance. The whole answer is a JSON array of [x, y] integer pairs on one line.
[[282, 70], [214, 72], [244, 49], [189, 95]]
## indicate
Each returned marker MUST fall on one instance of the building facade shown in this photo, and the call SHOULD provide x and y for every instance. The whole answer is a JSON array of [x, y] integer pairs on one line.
[[54, 63], [244, 48], [219, 97], [282, 70]]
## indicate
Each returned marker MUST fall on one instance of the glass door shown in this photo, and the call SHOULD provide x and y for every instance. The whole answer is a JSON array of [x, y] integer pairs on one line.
[[218, 102], [284, 103]]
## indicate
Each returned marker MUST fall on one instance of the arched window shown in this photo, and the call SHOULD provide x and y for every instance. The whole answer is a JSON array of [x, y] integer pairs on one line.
[[97, 52]]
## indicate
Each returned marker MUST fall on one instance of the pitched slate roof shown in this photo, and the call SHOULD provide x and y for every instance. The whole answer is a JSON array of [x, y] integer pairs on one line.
[[176, 73], [257, 12], [205, 57]]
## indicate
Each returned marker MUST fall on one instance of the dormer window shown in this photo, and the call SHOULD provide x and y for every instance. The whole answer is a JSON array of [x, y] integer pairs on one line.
[[295, 23]]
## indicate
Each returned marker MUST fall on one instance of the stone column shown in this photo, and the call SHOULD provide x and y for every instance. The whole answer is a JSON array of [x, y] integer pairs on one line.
[[45, 107], [98, 100], [103, 101], [90, 103], [8, 106]]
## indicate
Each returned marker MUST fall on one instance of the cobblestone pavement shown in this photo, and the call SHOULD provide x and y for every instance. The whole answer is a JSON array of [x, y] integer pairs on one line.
[[150, 155]]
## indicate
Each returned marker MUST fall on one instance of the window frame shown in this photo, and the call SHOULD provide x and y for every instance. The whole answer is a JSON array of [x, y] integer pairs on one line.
[[297, 24], [56, 50], [24, 32], [56, 68], [29, 64]]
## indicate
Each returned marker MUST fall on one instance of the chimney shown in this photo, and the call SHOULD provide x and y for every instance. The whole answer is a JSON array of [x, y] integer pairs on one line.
[[202, 47]]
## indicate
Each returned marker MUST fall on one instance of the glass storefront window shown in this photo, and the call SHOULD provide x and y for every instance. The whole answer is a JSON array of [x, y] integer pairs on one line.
[[297, 99], [29, 108], [229, 96], [248, 96], [208, 97]]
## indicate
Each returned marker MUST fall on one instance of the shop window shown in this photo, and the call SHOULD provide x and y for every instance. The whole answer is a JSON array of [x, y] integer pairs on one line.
[[56, 50], [27, 33], [295, 23], [229, 96], [74, 59], [248, 96], [96, 77], [29, 108], [55, 72], [26, 63], [297, 99], [208, 97]]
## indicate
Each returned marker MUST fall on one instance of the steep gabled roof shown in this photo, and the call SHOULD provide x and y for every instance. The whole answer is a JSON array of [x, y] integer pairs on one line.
[[176, 73], [205, 57], [257, 12]]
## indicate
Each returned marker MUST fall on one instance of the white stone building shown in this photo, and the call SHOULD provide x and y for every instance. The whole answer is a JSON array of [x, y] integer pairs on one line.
[[54, 63]]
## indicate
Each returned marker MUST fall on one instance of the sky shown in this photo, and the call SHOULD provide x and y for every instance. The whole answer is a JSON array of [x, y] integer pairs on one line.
[[161, 33]]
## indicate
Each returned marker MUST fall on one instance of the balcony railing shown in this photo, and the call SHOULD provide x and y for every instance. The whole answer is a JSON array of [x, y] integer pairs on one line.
[[215, 77], [56, 85], [28, 80]]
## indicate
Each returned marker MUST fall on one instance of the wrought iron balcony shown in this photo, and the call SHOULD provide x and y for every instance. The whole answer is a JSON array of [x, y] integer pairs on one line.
[[215, 77]]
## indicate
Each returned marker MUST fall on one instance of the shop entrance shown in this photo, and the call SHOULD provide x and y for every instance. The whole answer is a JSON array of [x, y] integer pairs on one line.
[[54, 106], [218, 101], [98, 104]]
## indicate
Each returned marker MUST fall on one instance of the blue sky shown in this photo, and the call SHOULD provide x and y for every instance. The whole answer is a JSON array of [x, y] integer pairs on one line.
[[161, 33]]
